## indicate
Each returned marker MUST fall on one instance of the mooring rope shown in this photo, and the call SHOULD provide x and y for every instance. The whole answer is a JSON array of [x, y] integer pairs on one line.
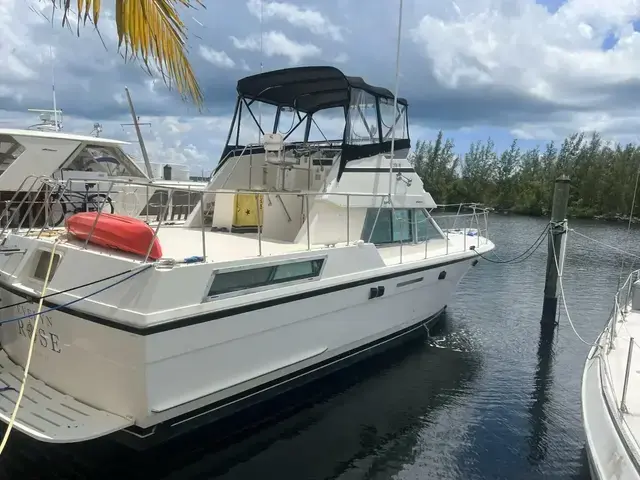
[[604, 244], [524, 255], [32, 342], [564, 298]]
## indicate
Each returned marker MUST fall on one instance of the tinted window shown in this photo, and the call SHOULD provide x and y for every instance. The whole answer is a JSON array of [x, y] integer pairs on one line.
[[105, 159], [42, 265], [240, 279], [424, 228], [381, 226], [226, 282], [402, 226], [10, 149], [391, 226], [297, 270]]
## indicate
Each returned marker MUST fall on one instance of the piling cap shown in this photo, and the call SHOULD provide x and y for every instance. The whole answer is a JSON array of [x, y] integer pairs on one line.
[[563, 179]]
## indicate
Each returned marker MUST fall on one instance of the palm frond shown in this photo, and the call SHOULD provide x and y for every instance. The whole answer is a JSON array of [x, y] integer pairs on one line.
[[150, 30]]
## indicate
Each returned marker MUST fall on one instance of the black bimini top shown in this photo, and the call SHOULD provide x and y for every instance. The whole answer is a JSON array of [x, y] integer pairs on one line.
[[307, 89]]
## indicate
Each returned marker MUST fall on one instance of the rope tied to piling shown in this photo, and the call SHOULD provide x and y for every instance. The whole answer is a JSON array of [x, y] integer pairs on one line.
[[524, 255], [612, 247], [564, 299]]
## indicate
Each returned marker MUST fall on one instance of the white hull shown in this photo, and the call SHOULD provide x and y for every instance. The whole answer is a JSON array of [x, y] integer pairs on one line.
[[612, 433], [299, 258], [608, 457], [156, 377]]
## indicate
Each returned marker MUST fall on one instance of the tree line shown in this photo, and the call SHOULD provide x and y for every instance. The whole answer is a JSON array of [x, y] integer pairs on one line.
[[602, 175]]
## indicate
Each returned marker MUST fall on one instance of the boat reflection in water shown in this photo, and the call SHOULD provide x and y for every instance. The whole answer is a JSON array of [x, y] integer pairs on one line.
[[367, 417]]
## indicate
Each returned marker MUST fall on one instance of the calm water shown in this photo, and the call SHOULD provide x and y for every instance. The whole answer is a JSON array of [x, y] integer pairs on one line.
[[472, 402]]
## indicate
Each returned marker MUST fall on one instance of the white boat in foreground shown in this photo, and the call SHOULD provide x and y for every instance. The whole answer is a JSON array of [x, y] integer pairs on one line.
[[301, 258], [611, 390]]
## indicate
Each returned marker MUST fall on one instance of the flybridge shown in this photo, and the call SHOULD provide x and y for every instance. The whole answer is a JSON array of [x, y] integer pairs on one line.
[[365, 111]]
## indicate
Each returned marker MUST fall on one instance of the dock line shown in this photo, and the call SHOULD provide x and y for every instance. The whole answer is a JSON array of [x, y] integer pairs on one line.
[[58, 307], [564, 300], [519, 259], [32, 342]]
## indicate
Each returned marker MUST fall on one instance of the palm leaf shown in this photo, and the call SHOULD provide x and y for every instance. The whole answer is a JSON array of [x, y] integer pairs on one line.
[[149, 30]]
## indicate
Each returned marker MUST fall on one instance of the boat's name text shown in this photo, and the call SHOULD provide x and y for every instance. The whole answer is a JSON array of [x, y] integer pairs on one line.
[[44, 336]]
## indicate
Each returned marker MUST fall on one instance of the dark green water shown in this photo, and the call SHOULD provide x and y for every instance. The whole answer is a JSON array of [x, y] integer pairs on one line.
[[475, 401]]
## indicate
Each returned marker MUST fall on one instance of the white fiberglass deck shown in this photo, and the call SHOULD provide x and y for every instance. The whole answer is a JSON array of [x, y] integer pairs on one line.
[[49, 415], [613, 429], [181, 242]]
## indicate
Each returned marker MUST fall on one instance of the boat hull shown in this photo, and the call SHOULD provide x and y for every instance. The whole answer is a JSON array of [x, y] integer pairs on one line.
[[175, 380], [607, 453], [141, 439]]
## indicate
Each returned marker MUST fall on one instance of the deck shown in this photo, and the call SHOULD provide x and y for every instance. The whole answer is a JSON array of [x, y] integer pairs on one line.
[[181, 242]]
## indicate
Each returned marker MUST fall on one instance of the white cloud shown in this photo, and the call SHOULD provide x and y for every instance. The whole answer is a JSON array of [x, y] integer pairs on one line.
[[519, 46], [307, 18], [196, 142], [175, 139], [277, 43], [215, 57], [513, 65], [341, 58]]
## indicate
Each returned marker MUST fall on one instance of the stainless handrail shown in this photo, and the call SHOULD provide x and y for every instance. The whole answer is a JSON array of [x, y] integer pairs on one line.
[[611, 334], [60, 187]]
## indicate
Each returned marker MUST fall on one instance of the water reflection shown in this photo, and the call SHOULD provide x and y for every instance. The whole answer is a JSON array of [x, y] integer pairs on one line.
[[487, 397], [360, 421], [543, 383]]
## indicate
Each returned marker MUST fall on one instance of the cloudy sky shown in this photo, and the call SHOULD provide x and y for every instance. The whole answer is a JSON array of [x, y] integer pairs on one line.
[[474, 68]]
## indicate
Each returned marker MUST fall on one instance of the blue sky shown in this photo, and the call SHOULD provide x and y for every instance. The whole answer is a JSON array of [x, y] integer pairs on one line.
[[536, 71]]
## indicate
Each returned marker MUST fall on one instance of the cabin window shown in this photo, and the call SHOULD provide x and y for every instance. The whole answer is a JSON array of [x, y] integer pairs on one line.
[[42, 265], [391, 226], [10, 149], [104, 159], [235, 280], [380, 230], [399, 225], [425, 229]]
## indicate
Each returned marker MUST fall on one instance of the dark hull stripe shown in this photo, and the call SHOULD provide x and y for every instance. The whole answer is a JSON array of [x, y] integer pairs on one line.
[[324, 162], [377, 170], [266, 391], [210, 316]]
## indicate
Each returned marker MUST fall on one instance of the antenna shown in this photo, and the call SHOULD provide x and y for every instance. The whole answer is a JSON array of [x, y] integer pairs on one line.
[[261, 65], [147, 164], [395, 98], [53, 89], [261, 33]]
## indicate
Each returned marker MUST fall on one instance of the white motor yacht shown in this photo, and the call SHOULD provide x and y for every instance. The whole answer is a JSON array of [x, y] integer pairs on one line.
[[26, 155], [300, 258]]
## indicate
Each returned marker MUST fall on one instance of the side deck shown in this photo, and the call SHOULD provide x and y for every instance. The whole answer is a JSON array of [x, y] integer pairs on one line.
[[330, 243], [611, 390]]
